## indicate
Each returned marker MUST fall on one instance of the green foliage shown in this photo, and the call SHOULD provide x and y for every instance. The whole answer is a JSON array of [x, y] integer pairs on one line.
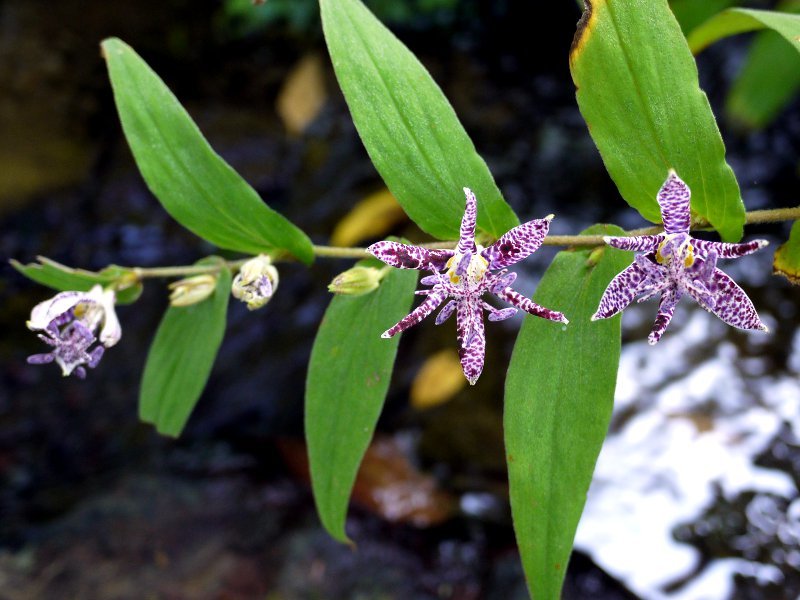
[[742, 20], [770, 77], [639, 94], [348, 376], [559, 397], [408, 127], [193, 183], [691, 13], [244, 17], [180, 359], [62, 278], [787, 257]]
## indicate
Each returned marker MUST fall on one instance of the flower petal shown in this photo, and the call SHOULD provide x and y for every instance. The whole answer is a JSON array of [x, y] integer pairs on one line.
[[621, 291], [445, 313], [466, 242], [516, 244], [471, 339], [406, 256], [639, 243], [529, 306], [432, 300], [723, 250], [731, 304], [673, 198], [45, 312], [666, 309], [111, 331]]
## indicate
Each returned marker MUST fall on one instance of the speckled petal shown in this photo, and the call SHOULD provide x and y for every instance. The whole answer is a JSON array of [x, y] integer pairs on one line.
[[516, 299], [45, 312], [517, 243], [466, 241], [639, 243], [446, 311], [432, 300], [471, 339], [731, 304], [723, 250], [673, 198], [405, 256], [665, 311], [620, 292]]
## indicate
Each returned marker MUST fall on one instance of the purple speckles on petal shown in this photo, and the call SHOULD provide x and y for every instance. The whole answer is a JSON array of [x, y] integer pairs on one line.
[[665, 311], [405, 256], [517, 244], [642, 243], [466, 241], [678, 264], [472, 341], [433, 300], [724, 250], [620, 292], [673, 198], [445, 313], [530, 306], [464, 275]]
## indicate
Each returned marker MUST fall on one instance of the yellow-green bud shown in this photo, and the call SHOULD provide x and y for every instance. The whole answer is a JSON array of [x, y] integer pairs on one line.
[[256, 282], [192, 290], [356, 281]]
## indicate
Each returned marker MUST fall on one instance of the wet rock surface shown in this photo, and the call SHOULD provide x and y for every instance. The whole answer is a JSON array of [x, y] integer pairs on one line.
[[96, 505]]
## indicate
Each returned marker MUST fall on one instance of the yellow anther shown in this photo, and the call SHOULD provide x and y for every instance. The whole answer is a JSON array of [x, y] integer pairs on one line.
[[660, 258], [688, 259]]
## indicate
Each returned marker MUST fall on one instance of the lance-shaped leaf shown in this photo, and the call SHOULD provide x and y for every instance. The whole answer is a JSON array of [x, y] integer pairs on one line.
[[741, 20], [638, 91], [62, 278], [691, 13], [180, 359], [559, 396], [770, 77], [192, 182], [348, 376], [408, 127], [787, 257]]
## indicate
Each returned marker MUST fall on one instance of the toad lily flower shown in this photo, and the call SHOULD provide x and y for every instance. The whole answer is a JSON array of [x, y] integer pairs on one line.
[[69, 322], [674, 264], [465, 274]]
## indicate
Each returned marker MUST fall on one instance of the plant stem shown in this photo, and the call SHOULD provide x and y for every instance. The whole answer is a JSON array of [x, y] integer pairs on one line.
[[751, 218]]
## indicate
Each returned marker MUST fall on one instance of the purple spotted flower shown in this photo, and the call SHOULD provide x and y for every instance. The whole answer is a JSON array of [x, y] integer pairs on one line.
[[464, 275], [69, 323], [673, 264]]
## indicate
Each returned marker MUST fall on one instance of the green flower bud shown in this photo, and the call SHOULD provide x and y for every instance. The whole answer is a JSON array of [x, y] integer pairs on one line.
[[356, 281], [192, 290]]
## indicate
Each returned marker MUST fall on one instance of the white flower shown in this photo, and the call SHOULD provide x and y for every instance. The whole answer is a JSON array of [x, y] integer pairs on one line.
[[69, 322]]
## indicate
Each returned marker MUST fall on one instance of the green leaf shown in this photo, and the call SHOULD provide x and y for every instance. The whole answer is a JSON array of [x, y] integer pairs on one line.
[[639, 94], [769, 80], [559, 396], [181, 357], [348, 376], [408, 127], [62, 278], [192, 182], [787, 257], [691, 13], [770, 77], [741, 20]]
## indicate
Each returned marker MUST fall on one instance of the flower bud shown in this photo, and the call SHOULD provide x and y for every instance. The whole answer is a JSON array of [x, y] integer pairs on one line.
[[256, 282], [192, 290], [356, 281]]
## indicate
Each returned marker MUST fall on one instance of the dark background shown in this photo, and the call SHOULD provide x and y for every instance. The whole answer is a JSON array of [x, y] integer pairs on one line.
[[94, 504]]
